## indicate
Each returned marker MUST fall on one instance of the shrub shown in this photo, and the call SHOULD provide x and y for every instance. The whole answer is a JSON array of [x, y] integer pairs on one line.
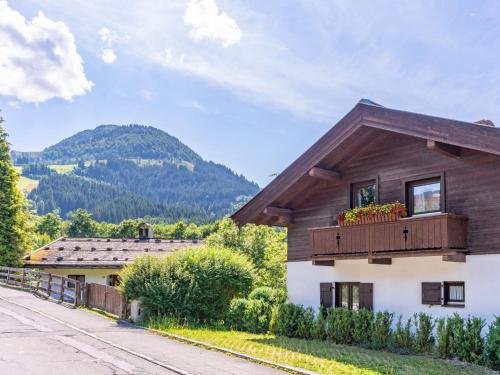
[[292, 320], [235, 315], [381, 332], [474, 342], [424, 339], [492, 350], [256, 317], [264, 293], [320, 325], [402, 340], [443, 338], [196, 285], [457, 336], [362, 326], [305, 326], [339, 325]]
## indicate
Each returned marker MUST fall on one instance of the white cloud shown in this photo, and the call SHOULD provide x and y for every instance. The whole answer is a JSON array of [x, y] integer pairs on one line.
[[108, 55], [208, 23], [147, 95], [38, 58], [14, 104]]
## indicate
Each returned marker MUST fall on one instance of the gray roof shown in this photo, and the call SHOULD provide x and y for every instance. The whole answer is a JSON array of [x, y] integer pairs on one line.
[[101, 252]]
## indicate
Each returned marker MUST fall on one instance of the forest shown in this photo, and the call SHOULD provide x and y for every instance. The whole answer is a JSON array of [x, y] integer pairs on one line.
[[130, 172]]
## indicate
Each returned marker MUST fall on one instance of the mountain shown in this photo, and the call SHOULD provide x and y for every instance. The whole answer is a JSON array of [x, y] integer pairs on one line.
[[132, 171]]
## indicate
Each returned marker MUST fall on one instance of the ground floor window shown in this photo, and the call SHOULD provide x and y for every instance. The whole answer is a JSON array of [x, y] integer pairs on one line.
[[80, 278], [113, 280], [454, 293], [347, 295]]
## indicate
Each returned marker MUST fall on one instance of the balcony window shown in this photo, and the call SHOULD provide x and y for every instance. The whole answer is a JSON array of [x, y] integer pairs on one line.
[[425, 196], [363, 193]]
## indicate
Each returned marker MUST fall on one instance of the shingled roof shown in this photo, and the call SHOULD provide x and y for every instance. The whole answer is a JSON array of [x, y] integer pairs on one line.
[[101, 252]]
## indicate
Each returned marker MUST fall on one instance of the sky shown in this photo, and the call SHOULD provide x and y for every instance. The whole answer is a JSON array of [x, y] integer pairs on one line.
[[249, 84]]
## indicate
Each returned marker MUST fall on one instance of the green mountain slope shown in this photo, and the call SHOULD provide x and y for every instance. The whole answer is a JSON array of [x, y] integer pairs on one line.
[[119, 164]]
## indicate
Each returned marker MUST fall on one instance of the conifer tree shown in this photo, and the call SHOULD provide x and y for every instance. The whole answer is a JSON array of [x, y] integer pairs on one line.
[[13, 217]]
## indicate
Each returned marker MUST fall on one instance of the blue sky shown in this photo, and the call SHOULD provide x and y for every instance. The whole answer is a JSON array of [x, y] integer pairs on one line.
[[250, 84]]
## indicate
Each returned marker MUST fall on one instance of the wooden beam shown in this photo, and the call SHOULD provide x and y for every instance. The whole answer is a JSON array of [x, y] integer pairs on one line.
[[330, 263], [284, 215], [387, 261], [458, 257], [444, 148], [324, 174]]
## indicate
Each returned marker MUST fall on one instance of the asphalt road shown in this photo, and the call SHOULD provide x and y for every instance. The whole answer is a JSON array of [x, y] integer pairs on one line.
[[54, 339]]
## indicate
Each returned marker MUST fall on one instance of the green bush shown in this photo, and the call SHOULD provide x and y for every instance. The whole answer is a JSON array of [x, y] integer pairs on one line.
[[424, 339], [443, 338], [236, 313], [402, 339], [474, 342], [382, 331], [320, 325], [339, 325], [457, 336], [256, 316], [492, 350], [264, 293], [362, 327], [293, 320], [196, 285]]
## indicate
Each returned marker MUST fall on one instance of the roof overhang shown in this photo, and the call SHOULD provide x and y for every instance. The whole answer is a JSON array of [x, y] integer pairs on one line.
[[369, 115]]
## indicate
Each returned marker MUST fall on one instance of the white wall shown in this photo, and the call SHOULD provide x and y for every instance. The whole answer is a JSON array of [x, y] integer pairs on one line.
[[92, 275], [397, 287]]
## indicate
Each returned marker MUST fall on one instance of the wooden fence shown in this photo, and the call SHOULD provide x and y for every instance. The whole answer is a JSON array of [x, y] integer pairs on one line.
[[106, 298], [52, 286], [64, 289]]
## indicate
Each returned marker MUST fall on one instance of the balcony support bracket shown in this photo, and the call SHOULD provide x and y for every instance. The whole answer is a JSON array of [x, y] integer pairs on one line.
[[386, 261], [329, 263], [458, 257]]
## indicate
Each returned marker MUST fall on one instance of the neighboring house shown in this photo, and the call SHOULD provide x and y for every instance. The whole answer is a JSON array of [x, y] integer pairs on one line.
[[443, 258], [98, 260]]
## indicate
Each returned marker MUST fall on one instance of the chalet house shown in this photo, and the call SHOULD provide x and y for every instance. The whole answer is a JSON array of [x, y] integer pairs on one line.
[[98, 260], [443, 258]]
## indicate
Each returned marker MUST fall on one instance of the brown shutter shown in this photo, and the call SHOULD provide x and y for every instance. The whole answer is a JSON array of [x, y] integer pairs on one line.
[[366, 296], [325, 295], [431, 293]]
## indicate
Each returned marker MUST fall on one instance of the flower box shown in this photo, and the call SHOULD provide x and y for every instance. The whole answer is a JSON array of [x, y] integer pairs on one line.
[[371, 214]]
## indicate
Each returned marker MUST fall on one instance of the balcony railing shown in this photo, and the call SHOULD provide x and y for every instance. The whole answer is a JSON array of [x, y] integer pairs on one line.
[[404, 237]]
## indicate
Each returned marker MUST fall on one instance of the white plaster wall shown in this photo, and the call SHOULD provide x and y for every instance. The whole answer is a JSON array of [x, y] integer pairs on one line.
[[397, 287], [92, 275]]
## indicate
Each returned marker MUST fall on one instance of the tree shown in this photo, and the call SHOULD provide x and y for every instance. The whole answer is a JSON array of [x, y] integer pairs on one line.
[[128, 228], [81, 224], [13, 216], [50, 224]]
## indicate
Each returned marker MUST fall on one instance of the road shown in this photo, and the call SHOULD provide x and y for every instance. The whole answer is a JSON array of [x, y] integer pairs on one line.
[[55, 339]]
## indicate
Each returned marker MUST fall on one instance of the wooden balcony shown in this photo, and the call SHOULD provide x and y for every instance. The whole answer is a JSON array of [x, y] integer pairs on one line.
[[437, 234]]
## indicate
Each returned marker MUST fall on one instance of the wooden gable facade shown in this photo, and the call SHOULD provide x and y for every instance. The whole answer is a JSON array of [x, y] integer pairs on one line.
[[391, 148]]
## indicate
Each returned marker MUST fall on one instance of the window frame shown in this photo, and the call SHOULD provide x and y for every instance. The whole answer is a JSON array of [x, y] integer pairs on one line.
[[72, 285], [338, 293], [410, 183], [355, 186], [446, 294]]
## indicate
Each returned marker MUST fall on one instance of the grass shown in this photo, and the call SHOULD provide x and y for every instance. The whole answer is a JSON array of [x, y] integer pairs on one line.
[[323, 357], [100, 312], [62, 168], [27, 184]]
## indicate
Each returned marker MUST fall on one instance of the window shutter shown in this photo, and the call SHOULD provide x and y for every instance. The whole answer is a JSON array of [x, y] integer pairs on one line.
[[366, 296], [431, 293], [326, 295]]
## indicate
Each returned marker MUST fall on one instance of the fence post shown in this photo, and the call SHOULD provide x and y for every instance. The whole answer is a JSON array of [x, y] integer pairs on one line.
[[23, 280], [77, 292], [61, 291], [49, 285], [8, 276]]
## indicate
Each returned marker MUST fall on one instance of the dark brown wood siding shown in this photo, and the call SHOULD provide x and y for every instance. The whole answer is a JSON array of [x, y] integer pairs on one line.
[[472, 189]]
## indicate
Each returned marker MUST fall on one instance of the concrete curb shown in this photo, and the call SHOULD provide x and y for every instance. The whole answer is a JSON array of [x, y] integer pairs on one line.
[[206, 345]]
